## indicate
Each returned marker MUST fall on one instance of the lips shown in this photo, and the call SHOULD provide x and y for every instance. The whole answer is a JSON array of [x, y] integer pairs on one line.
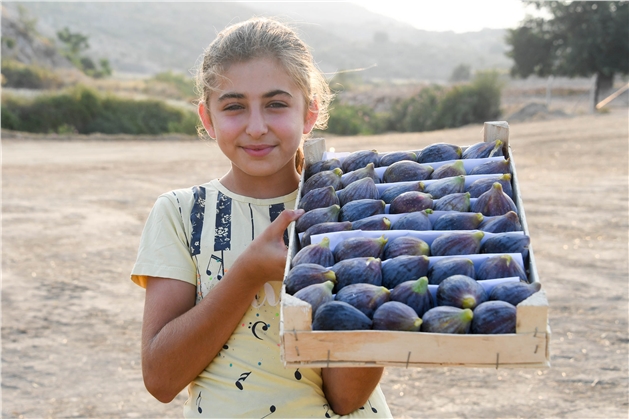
[[258, 150]]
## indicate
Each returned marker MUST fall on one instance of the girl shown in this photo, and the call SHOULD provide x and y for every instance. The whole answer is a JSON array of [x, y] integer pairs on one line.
[[212, 257]]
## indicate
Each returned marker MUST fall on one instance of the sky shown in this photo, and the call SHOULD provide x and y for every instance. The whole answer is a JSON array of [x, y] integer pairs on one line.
[[452, 15]]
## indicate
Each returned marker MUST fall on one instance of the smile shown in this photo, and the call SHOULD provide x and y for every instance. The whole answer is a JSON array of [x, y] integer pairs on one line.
[[258, 151]]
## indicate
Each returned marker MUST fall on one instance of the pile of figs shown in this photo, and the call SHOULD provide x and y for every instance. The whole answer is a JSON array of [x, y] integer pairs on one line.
[[403, 282]]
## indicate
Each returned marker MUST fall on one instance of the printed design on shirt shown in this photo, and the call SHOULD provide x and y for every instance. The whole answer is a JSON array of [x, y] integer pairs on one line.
[[196, 219], [222, 230], [272, 410], [241, 380], [266, 294], [198, 403], [373, 409], [263, 325], [274, 212]]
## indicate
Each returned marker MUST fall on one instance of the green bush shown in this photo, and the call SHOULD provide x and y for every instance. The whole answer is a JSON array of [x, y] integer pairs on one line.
[[86, 111], [417, 113], [354, 120], [177, 85], [23, 76]]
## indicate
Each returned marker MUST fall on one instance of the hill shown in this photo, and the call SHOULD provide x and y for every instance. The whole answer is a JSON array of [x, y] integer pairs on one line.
[[147, 38]]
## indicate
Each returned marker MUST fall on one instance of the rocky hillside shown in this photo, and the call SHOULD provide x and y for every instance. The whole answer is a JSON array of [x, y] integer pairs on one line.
[[147, 38]]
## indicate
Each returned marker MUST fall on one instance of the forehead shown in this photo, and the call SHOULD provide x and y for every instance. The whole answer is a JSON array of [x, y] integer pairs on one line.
[[256, 77]]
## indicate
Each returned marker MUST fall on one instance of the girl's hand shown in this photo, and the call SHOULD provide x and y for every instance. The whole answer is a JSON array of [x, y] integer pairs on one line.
[[265, 257]]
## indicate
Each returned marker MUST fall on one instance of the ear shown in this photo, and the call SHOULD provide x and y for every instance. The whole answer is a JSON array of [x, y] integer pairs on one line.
[[311, 116], [204, 114]]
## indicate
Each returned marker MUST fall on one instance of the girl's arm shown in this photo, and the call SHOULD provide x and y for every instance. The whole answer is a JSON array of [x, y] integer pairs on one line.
[[179, 338], [347, 389]]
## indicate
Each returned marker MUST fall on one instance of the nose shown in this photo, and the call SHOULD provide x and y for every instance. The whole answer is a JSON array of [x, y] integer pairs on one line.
[[256, 125]]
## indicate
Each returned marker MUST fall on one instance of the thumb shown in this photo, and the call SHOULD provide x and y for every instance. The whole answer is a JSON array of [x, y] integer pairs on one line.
[[280, 224]]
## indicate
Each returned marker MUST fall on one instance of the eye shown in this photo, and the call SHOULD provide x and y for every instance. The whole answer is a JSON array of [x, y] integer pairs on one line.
[[277, 105], [233, 107]]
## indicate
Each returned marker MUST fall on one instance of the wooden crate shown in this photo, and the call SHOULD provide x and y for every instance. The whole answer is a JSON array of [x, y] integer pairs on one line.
[[528, 347]]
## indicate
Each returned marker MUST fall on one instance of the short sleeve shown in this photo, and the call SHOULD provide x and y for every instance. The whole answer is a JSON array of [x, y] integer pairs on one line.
[[163, 251]]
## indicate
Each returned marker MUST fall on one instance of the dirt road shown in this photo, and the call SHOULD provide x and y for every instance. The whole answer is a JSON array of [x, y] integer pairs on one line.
[[73, 211]]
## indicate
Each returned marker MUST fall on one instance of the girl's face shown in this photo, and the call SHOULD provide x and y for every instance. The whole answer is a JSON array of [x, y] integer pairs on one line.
[[258, 116]]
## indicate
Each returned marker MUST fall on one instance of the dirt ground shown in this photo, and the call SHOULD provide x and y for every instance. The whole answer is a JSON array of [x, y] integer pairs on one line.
[[73, 210]]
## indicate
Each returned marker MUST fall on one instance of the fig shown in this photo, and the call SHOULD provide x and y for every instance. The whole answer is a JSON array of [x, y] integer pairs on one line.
[[446, 319], [323, 179], [446, 186], [397, 189], [494, 202], [364, 172], [316, 295], [406, 171], [374, 222], [317, 216], [338, 315], [494, 317], [514, 292], [500, 266], [458, 221], [405, 245], [319, 198], [447, 267], [483, 150], [409, 202], [354, 247], [414, 294], [455, 168], [404, 268], [359, 159], [457, 243], [318, 253], [361, 208], [501, 223], [460, 291], [365, 297], [387, 159], [482, 185], [307, 274], [367, 270], [364, 188], [493, 167], [439, 152], [511, 242], [394, 315], [416, 220], [321, 166], [453, 202], [323, 228]]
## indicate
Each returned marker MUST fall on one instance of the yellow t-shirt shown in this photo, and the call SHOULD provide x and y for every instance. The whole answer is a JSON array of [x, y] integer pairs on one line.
[[195, 235]]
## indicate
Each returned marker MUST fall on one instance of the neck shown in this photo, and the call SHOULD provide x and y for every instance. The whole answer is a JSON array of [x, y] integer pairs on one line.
[[260, 188]]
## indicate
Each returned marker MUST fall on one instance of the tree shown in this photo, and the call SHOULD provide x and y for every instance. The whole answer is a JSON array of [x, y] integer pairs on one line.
[[75, 42], [581, 39], [462, 72]]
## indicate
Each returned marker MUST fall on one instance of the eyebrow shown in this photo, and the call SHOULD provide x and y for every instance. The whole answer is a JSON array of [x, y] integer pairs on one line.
[[233, 95]]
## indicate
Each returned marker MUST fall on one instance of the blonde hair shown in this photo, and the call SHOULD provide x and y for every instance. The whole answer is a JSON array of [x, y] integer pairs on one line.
[[262, 38]]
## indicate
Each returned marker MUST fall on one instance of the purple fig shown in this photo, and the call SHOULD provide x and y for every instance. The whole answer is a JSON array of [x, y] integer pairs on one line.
[[406, 171], [514, 292], [455, 168], [406, 245], [317, 216], [511, 242], [439, 152], [458, 221], [457, 243], [307, 274], [321, 166], [316, 295], [482, 185], [387, 159], [446, 186], [365, 297], [364, 188], [364, 172], [359, 159], [403, 268], [453, 202], [483, 150], [447, 267], [494, 317], [323, 179], [323, 228], [397, 189], [501, 223], [493, 167], [416, 220], [319, 198], [500, 266], [361, 208], [354, 247], [338, 315], [494, 202], [414, 294], [366, 270], [372, 223], [318, 253], [460, 291], [409, 202], [394, 315], [446, 319]]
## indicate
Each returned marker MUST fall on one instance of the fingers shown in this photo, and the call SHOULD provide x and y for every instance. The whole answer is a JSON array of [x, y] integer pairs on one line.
[[282, 221]]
